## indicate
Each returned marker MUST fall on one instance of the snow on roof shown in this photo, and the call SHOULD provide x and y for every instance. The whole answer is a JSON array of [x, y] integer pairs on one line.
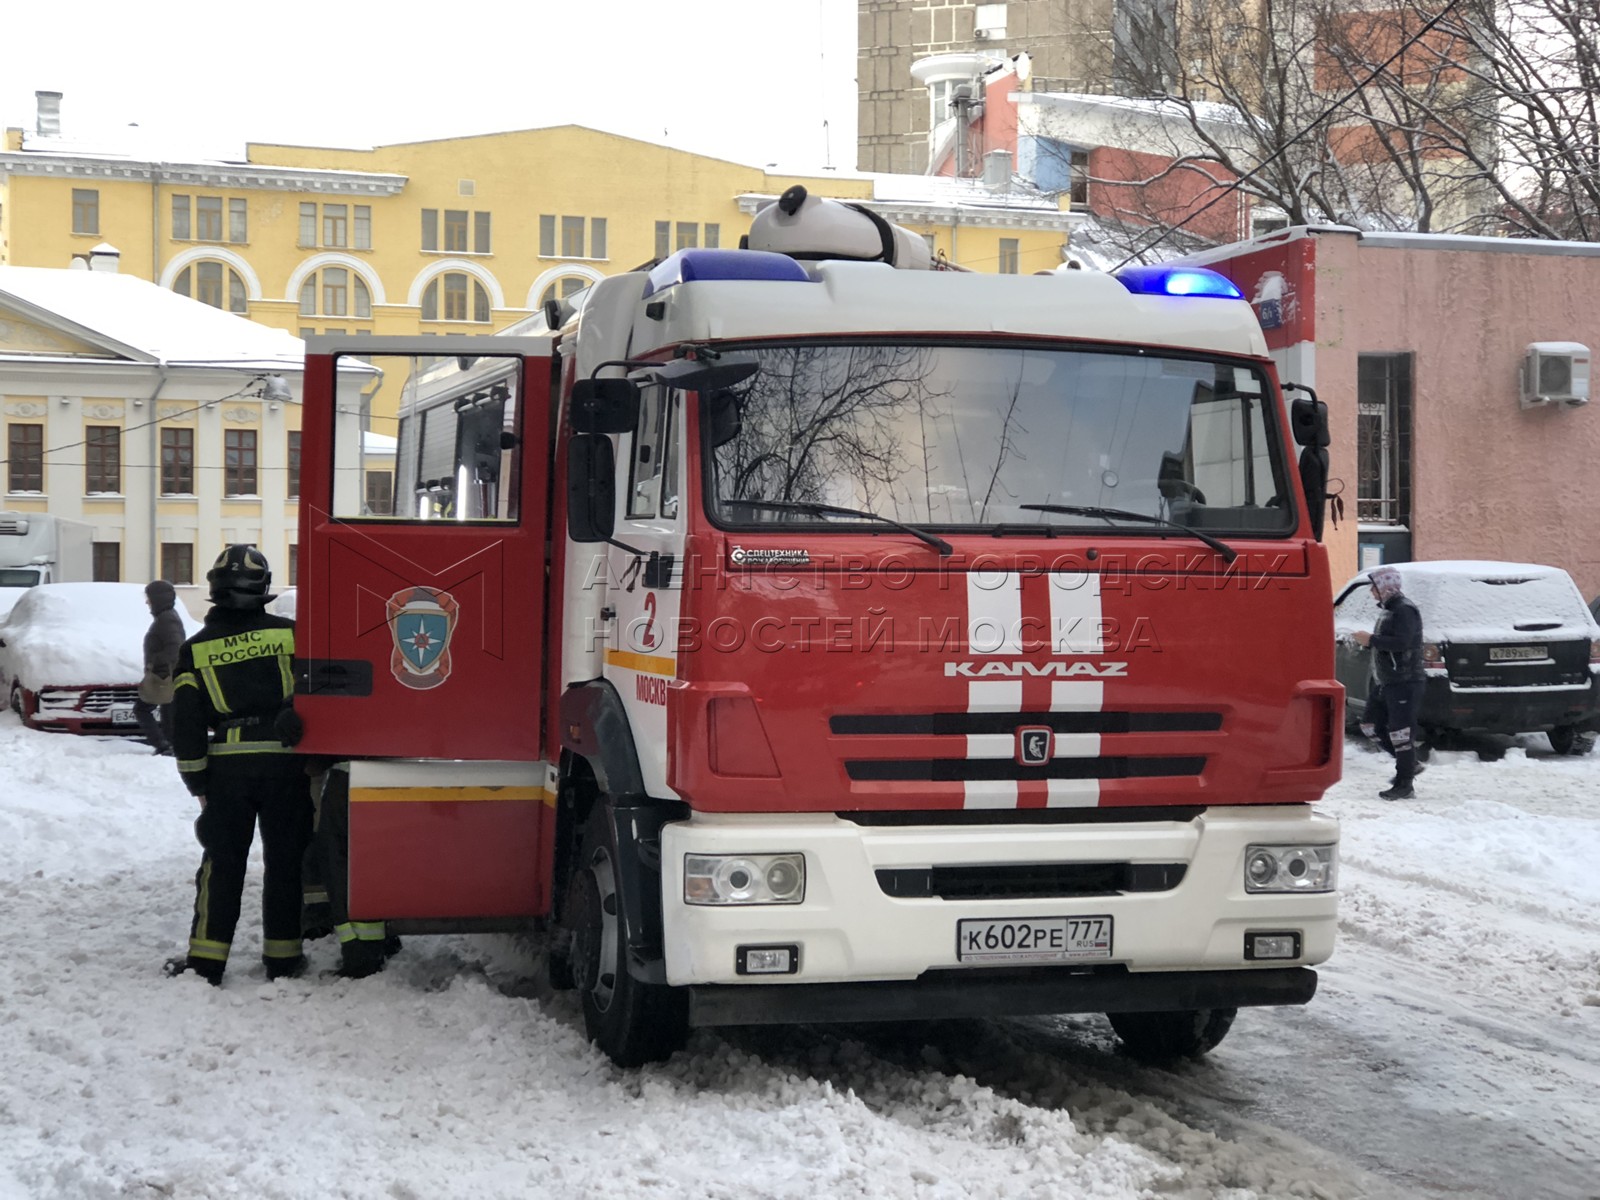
[[151, 322]]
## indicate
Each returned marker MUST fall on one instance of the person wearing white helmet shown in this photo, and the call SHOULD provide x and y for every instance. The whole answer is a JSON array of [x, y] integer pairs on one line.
[[1394, 693]]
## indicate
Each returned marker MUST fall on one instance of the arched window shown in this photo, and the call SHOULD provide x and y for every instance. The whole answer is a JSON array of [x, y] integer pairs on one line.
[[213, 283], [446, 299], [335, 292], [564, 288]]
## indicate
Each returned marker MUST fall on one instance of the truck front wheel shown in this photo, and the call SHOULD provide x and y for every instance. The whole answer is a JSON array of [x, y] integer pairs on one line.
[[631, 1021], [1157, 1037]]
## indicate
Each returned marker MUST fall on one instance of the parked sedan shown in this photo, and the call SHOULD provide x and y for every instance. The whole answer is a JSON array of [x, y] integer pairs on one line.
[[72, 655], [1507, 648]]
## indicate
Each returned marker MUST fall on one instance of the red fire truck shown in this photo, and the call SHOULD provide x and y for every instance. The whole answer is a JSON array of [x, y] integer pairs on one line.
[[798, 639]]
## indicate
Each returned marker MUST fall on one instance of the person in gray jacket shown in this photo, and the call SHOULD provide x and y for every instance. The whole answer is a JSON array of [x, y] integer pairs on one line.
[[162, 641]]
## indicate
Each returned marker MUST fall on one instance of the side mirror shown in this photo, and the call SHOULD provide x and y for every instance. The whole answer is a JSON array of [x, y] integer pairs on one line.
[[1308, 418], [591, 487], [605, 406], [704, 375], [723, 418]]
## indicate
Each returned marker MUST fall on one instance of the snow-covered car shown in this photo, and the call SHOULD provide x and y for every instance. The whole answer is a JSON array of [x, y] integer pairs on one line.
[[72, 655], [283, 604], [1507, 648]]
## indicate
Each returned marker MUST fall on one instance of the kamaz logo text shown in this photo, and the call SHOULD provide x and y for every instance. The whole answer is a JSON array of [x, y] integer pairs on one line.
[[1022, 670]]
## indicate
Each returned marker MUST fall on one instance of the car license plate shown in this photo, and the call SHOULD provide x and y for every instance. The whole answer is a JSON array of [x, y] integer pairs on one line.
[[122, 714], [1033, 939], [1517, 653]]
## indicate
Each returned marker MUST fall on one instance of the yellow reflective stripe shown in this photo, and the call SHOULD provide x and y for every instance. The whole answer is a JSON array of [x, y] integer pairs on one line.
[[367, 795], [280, 948], [214, 690], [232, 748], [311, 895], [189, 766], [369, 931], [186, 679], [201, 948], [202, 906], [231, 735], [242, 647], [286, 669]]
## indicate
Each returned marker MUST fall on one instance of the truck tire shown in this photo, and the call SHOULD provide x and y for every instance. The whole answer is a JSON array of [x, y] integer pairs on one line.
[[1160, 1037], [1569, 739], [631, 1021]]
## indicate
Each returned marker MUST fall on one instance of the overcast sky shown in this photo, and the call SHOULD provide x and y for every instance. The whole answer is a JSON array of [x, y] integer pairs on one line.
[[756, 81]]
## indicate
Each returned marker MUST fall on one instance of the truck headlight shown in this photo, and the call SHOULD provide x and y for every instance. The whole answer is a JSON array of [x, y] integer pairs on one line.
[[1290, 868], [744, 878]]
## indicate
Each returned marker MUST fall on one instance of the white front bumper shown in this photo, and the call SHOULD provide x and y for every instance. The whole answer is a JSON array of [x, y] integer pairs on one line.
[[849, 930]]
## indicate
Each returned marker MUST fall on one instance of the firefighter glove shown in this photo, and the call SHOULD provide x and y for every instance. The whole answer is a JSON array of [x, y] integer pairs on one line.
[[289, 727]]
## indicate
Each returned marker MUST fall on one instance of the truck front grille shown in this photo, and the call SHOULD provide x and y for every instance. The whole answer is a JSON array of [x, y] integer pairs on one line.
[[1026, 881]]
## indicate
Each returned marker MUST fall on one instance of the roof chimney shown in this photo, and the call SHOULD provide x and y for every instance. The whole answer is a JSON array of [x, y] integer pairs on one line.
[[997, 169], [49, 109]]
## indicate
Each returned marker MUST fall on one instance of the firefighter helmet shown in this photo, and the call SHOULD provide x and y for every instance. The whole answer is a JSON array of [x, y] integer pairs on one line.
[[240, 578]]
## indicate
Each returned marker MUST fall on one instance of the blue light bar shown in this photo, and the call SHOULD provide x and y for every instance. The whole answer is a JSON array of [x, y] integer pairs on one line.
[[687, 266], [1178, 281]]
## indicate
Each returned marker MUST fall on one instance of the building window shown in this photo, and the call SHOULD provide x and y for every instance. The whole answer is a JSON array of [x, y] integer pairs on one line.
[[177, 462], [1078, 172], [1009, 254], [455, 231], [480, 233], [685, 235], [102, 455], [214, 284], [208, 218], [294, 565], [688, 235], [572, 229], [1383, 438], [334, 224], [107, 563], [581, 237], [713, 238], [180, 219], [239, 463], [563, 288], [380, 494], [238, 221], [294, 464], [361, 227], [335, 292], [663, 238], [430, 229], [85, 210], [25, 454], [458, 288], [177, 562], [308, 225]]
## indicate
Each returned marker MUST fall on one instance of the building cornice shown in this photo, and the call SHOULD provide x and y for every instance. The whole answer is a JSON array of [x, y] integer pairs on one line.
[[242, 176]]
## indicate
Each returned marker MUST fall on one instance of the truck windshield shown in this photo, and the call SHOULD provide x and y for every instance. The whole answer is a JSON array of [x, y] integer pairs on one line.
[[18, 577], [996, 438]]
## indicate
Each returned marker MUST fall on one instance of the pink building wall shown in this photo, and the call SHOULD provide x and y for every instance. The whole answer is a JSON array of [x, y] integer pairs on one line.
[[1489, 480]]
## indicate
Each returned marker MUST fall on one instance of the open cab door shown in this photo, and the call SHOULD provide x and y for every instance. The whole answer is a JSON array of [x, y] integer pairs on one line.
[[425, 490]]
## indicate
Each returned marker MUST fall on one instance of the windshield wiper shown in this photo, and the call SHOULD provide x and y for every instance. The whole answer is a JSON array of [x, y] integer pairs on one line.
[[1122, 514], [922, 535]]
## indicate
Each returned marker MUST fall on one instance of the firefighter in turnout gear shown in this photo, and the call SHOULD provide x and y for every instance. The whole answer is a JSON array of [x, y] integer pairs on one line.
[[233, 729]]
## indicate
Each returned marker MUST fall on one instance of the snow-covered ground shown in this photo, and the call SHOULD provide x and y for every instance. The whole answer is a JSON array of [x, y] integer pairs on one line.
[[1454, 1048]]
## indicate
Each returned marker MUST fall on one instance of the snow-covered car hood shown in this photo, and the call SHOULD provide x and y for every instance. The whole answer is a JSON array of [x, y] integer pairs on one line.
[[1470, 601], [67, 634]]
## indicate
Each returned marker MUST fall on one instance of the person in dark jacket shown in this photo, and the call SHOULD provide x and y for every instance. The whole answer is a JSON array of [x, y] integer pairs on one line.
[[153, 708], [1394, 692], [233, 728]]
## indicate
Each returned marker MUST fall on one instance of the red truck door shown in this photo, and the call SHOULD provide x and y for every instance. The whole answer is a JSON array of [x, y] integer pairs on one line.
[[425, 476]]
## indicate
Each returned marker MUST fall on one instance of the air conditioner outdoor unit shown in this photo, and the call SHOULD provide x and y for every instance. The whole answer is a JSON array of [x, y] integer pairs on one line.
[[1555, 373], [981, 35]]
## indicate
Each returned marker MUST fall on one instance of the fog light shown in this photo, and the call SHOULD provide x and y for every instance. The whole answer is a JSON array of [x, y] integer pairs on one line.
[[1290, 868], [767, 960], [1271, 945], [744, 878]]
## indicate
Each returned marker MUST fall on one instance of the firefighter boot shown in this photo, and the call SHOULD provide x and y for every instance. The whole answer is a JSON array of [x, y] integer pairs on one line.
[[285, 968], [208, 969], [360, 958]]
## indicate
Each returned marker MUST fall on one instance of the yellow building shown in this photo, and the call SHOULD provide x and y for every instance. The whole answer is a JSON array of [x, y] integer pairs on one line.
[[460, 235]]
